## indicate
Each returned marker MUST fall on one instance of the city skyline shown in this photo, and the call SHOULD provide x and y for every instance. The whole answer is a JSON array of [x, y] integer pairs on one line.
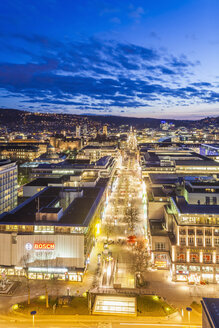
[[137, 59], [109, 163]]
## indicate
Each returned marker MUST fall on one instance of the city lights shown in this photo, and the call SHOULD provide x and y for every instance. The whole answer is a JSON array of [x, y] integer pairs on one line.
[[97, 229], [109, 164], [15, 306]]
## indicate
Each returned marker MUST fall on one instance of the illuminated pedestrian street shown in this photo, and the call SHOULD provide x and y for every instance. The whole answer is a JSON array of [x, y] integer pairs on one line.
[[109, 164]]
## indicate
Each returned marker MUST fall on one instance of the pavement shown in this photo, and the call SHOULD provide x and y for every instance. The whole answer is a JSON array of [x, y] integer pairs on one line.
[[127, 191], [57, 321], [177, 293]]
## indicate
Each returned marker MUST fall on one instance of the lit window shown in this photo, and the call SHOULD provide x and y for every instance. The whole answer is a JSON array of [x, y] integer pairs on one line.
[[191, 240], [194, 258], [216, 241], [160, 246], [208, 241], [207, 258]]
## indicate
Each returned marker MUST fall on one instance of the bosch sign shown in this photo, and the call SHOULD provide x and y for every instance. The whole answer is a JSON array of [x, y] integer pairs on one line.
[[44, 246], [28, 246]]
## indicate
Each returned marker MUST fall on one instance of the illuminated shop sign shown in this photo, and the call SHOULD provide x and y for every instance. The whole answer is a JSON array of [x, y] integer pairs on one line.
[[162, 264], [197, 250], [161, 260], [47, 270], [28, 246], [182, 272], [44, 246]]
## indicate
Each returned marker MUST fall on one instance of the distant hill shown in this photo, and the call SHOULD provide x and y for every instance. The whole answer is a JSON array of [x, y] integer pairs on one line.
[[19, 120], [135, 121]]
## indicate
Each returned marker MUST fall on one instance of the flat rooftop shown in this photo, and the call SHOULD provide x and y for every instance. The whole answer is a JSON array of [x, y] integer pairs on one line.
[[211, 309], [103, 161], [204, 183], [78, 165], [186, 208], [46, 181], [6, 162], [179, 157], [201, 187], [79, 212], [163, 178]]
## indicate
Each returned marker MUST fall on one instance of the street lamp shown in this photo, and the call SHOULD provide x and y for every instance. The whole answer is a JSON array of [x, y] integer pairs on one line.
[[33, 314], [189, 309]]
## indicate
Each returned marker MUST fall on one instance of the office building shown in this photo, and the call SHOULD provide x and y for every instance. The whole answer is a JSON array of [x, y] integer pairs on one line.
[[78, 131], [8, 185], [176, 161], [94, 153], [183, 227], [104, 167], [22, 151], [51, 234]]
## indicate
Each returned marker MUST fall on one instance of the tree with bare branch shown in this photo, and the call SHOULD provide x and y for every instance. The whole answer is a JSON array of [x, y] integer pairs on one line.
[[108, 229], [140, 260], [131, 217]]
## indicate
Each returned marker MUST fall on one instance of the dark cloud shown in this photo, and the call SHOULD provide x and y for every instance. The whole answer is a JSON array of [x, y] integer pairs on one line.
[[137, 51], [182, 62], [98, 75], [202, 84], [166, 70], [211, 97]]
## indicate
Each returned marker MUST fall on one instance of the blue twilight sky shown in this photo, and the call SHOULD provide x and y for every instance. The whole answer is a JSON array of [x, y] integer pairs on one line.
[[157, 58]]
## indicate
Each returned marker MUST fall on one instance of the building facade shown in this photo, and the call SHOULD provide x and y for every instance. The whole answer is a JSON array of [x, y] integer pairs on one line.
[[183, 226], [8, 185], [51, 235], [195, 255]]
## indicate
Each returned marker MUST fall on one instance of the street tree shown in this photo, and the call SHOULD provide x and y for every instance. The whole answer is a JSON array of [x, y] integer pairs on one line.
[[140, 260], [131, 217], [108, 229], [25, 259]]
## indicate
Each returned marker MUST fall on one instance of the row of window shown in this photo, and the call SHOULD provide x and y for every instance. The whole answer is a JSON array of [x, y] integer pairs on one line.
[[195, 268], [195, 257], [199, 241], [198, 220], [43, 229], [211, 200], [199, 232], [160, 246]]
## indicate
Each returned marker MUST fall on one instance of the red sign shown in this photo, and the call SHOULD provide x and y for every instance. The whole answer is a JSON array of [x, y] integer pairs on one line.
[[131, 239], [44, 246]]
